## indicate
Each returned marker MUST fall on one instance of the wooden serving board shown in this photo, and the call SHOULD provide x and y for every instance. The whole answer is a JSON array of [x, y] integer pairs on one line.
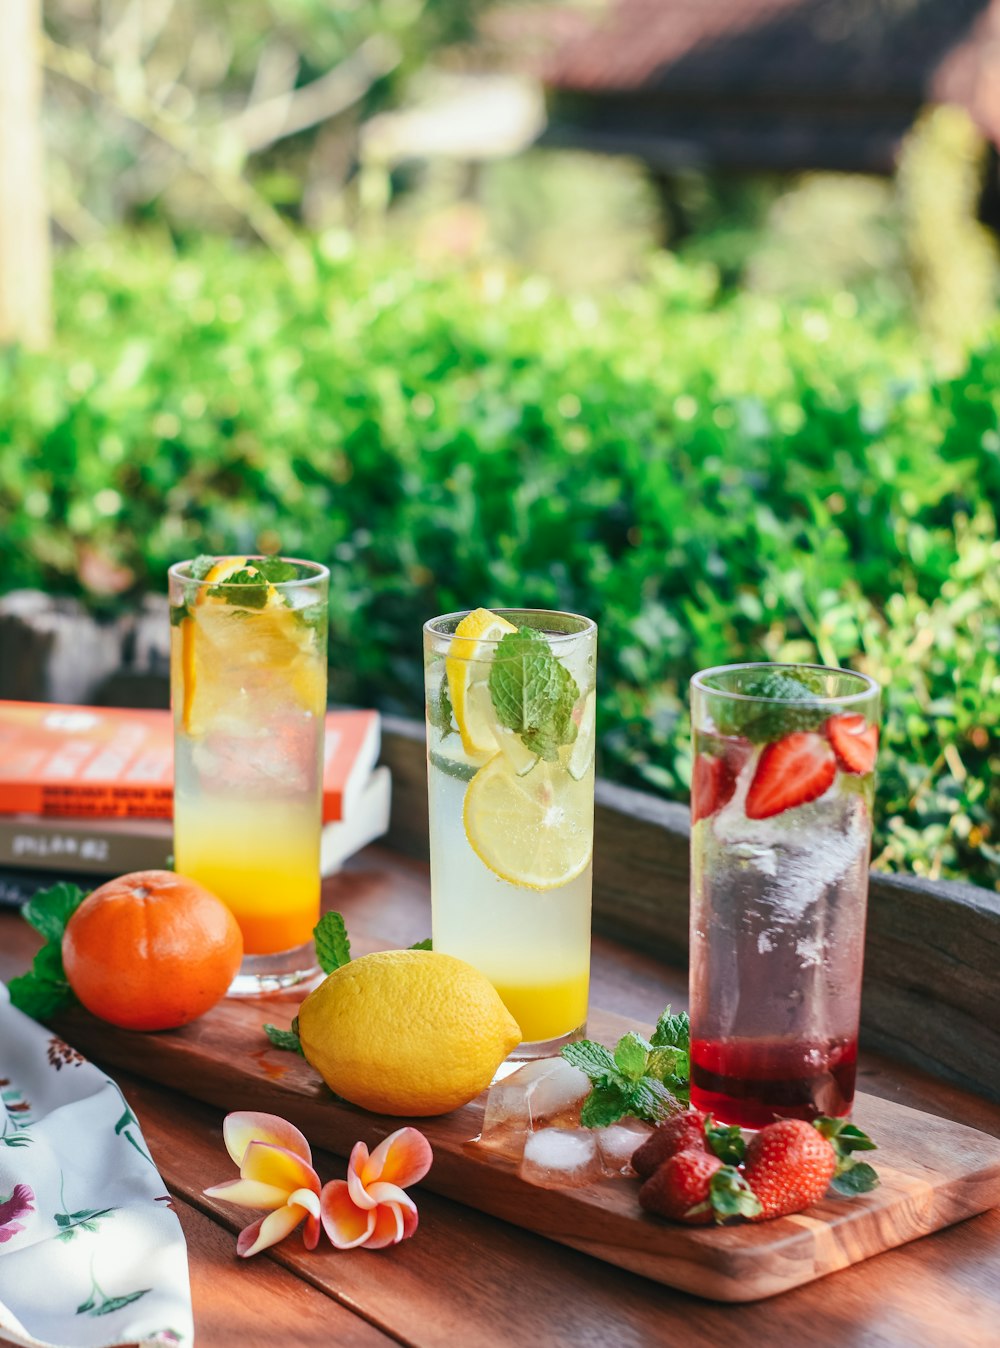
[[933, 1172]]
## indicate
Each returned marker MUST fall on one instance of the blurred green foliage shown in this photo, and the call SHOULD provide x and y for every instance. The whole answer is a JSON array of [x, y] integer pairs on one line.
[[713, 477]]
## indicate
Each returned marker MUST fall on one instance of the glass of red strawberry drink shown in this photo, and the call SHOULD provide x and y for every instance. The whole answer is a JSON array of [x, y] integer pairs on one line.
[[781, 814]]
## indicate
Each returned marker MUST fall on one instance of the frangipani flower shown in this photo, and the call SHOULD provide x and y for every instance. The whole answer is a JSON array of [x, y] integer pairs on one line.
[[369, 1208], [276, 1173]]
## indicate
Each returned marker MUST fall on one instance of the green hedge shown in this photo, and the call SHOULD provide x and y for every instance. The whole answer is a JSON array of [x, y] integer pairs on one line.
[[711, 478]]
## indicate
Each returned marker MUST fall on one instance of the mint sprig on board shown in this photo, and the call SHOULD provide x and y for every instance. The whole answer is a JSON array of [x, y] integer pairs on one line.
[[333, 950], [533, 693], [641, 1078], [45, 991]]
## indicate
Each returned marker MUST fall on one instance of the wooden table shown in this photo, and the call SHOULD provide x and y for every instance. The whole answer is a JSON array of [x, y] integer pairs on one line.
[[467, 1279]]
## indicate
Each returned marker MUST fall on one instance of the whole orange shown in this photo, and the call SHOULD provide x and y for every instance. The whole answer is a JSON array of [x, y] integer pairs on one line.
[[151, 950]]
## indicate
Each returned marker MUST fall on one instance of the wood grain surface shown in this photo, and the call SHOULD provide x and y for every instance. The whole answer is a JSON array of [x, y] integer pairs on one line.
[[934, 1172], [468, 1278]]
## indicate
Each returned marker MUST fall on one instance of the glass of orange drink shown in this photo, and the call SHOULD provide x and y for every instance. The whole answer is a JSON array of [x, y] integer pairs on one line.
[[248, 670]]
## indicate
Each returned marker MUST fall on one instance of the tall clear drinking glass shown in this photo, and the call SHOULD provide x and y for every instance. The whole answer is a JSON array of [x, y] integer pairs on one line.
[[510, 737], [781, 819], [248, 672]]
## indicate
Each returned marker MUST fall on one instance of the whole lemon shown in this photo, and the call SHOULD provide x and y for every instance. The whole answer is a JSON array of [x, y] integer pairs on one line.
[[406, 1032]]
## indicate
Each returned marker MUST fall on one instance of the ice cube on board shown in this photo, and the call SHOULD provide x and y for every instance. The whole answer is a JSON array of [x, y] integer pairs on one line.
[[543, 1092], [561, 1158]]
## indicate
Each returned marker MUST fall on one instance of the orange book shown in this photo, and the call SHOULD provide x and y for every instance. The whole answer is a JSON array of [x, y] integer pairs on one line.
[[108, 762]]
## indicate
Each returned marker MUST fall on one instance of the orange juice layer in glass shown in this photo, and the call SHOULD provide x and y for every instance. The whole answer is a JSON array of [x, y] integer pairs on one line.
[[248, 670]]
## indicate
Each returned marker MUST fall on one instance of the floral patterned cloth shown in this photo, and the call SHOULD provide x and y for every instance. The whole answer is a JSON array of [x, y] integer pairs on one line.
[[91, 1253]]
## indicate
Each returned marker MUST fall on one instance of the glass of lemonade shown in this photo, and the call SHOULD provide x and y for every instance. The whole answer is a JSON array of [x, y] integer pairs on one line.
[[781, 821], [510, 738], [248, 670]]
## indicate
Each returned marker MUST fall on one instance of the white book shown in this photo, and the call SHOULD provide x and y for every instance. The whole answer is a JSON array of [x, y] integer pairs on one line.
[[367, 820]]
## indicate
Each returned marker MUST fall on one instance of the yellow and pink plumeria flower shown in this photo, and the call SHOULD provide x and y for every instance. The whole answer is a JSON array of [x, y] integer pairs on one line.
[[276, 1172], [369, 1208]]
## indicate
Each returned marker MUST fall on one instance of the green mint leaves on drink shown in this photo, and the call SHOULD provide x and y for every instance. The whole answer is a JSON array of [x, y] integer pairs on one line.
[[249, 586], [44, 991], [533, 693], [439, 710], [197, 571], [642, 1078], [790, 705]]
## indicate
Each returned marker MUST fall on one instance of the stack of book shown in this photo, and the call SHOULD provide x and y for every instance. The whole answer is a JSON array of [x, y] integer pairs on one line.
[[88, 792]]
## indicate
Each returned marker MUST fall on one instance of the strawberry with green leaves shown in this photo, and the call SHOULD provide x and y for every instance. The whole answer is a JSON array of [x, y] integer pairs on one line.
[[690, 1131], [791, 1164], [694, 1187]]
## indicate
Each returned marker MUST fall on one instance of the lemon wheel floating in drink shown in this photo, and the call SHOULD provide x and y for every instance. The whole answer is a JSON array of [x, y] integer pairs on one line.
[[248, 689], [511, 734]]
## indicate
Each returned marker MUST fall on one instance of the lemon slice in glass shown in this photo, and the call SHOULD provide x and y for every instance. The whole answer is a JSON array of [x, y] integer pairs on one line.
[[218, 655], [535, 831], [468, 670]]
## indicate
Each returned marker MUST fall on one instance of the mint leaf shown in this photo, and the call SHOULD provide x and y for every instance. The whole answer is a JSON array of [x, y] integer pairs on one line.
[[666, 1062], [439, 711], [649, 1099], [425, 944], [275, 570], [604, 1105], [246, 588], [670, 1061], [533, 694], [672, 1031], [50, 909], [313, 616], [285, 1039], [333, 949], [791, 705], [593, 1059], [43, 992], [200, 567], [631, 1053], [858, 1178], [178, 612]]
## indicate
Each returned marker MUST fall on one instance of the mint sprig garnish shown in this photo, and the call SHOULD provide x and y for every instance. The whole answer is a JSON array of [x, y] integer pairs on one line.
[[45, 991], [533, 693], [439, 710], [642, 1078], [333, 949], [789, 704], [285, 1039]]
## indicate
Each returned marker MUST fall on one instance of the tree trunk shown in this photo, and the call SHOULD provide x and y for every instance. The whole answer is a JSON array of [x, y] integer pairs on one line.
[[25, 281]]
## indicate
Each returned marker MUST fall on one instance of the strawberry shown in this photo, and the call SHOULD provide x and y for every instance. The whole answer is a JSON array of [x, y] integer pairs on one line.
[[712, 785], [713, 777], [789, 1166], [696, 1188], [684, 1132], [854, 741], [790, 772]]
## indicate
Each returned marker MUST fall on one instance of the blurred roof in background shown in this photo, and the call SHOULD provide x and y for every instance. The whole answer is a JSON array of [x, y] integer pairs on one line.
[[759, 84]]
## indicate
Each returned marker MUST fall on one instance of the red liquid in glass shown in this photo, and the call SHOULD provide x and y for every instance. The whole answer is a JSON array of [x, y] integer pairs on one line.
[[752, 1082]]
